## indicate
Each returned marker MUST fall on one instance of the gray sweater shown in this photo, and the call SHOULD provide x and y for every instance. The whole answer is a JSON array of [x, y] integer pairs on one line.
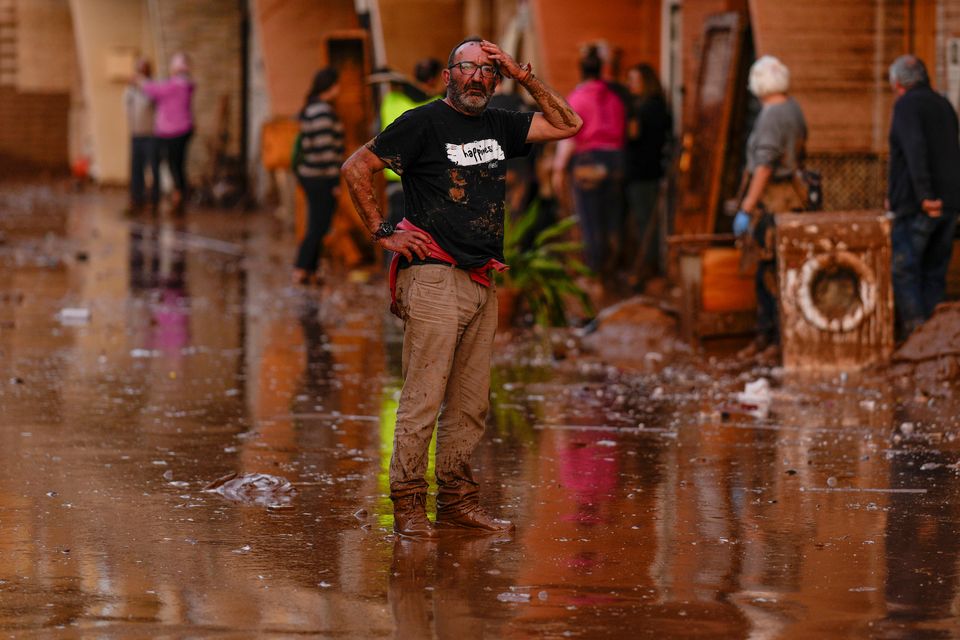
[[139, 108], [777, 138]]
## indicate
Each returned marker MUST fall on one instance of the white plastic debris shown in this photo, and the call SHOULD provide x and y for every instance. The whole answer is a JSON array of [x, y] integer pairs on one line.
[[756, 395], [74, 315], [513, 597]]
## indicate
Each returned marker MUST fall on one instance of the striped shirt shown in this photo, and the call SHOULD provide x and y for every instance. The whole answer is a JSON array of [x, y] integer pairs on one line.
[[321, 141]]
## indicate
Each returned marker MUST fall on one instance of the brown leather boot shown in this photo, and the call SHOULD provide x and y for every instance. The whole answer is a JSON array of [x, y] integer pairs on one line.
[[463, 511], [410, 517]]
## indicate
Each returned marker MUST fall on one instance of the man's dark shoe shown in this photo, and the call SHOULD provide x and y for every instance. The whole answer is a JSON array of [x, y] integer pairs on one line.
[[410, 517], [472, 517]]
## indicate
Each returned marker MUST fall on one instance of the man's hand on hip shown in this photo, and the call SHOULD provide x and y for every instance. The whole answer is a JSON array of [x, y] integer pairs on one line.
[[933, 208], [407, 243]]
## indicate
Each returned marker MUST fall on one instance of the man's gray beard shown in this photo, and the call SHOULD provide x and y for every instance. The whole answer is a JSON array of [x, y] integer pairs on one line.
[[476, 104]]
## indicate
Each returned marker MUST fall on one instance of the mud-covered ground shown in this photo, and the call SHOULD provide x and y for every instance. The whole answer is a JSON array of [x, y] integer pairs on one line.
[[142, 359]]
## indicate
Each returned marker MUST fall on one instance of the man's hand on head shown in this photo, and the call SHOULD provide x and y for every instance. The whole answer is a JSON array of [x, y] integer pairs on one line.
[[507, 65]]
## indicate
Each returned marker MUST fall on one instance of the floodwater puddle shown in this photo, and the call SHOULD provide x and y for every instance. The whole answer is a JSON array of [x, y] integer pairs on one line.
[[669, 495]]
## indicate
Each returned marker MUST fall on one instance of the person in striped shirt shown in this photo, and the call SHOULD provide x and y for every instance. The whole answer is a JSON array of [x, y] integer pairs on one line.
[[318, 168]]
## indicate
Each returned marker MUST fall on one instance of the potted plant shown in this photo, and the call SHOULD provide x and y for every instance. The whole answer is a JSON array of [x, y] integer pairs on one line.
[[543, 270]]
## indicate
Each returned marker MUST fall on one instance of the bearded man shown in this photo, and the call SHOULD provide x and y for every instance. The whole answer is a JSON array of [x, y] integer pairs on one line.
[[450, 155]]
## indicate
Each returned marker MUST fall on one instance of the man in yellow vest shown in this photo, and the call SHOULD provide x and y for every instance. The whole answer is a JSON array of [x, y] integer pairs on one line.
[[403, 96]]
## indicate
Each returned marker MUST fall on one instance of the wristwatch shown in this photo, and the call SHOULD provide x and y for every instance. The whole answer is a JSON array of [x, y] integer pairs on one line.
[[385, 230]]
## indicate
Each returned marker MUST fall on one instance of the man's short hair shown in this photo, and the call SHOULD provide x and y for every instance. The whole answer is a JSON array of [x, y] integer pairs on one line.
[[768, 76], [908, 70], [453, 52]]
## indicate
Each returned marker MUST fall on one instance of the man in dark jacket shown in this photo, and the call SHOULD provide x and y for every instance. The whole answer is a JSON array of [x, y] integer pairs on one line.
[[924, 191]]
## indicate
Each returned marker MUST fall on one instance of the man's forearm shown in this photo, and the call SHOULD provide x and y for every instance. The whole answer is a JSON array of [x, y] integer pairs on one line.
[[554, 107], [758, 182], [360, 184]]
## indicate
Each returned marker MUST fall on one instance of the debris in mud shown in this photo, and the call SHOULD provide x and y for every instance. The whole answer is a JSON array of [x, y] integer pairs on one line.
[[756, 397], [514, 597], [932, 352], [627, 332], [74, 315], [260, 489]]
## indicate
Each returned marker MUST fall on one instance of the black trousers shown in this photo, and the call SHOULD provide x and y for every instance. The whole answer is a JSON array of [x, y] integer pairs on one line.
[[143, 153], [174, 152], [320, 207]]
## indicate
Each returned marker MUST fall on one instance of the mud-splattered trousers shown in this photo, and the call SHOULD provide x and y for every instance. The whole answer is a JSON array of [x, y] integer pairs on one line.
[[449, 327]]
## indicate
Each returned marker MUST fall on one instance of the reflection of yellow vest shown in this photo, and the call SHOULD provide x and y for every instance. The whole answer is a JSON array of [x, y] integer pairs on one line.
[[395, 104]]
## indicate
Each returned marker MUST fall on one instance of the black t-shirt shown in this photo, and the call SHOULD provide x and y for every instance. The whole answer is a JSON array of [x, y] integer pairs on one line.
[[453, 173]]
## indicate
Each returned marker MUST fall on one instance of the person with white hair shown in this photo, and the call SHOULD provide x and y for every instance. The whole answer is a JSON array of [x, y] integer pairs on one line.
[[775, 154], [923, 192], [174, 119]]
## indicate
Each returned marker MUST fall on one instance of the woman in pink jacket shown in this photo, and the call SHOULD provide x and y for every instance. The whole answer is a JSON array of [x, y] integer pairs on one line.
[[173, 119], [593, 159]]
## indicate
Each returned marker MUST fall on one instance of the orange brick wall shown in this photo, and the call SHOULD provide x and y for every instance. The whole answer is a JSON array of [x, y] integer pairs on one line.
[[291, 36], [405, 39], [838, 67], [33, 130], [562, 26], [210, 32]]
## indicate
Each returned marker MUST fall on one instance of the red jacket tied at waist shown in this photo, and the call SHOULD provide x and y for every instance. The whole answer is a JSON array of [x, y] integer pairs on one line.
[[480, 275]]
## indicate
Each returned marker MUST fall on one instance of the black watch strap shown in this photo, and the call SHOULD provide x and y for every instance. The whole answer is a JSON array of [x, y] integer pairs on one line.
[[385, 230]]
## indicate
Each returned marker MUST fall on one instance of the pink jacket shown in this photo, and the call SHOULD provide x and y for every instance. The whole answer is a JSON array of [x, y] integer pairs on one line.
[[604, 117], [173, 114]]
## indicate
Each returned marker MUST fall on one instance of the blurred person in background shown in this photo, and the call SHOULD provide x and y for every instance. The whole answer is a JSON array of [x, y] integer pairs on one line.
[[649, 127], [923, 192], [143, 147], [402, 97], [318, 168], [775, 154], [173, 122], [594, 160]]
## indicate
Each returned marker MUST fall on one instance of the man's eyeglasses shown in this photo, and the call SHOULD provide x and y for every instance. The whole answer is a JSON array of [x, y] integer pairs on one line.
[[470, 68]]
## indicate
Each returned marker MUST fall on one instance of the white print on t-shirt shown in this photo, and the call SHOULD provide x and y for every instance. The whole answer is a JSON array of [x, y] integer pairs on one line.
[[471, 153]]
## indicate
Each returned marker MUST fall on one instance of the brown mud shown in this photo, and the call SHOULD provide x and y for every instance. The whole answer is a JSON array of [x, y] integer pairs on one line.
[[143, 358]]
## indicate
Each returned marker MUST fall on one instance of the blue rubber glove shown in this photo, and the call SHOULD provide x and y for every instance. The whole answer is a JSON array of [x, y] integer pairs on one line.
[[741, 223]]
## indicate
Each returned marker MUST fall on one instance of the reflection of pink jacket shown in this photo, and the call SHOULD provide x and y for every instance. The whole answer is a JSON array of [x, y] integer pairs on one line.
[[172, 106], [604, 117]]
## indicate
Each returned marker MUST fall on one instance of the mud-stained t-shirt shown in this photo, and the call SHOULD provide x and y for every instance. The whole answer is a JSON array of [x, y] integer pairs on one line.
[[453, 173]]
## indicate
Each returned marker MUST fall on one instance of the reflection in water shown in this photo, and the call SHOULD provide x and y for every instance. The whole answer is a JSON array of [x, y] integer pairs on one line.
[[921, 537], [433, 587], [158, 266]]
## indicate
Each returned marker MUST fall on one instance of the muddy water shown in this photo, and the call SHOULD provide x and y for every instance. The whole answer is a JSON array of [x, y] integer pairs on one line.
[[647, 504]]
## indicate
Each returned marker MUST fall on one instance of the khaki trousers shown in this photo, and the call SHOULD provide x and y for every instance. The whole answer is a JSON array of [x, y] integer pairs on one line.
[[449, 325]]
